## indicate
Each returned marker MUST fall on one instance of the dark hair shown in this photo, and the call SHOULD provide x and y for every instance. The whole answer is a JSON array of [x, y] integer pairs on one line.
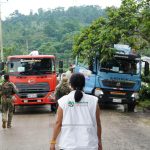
[[77, 82], [6, 77]]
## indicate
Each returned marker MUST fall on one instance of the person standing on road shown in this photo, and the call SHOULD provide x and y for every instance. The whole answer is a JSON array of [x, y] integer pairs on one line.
[[69, 72], [63, 88], [7, 91], [78, 119]]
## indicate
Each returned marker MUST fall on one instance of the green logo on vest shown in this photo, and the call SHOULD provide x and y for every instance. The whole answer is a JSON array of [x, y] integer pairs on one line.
[[70, 104]]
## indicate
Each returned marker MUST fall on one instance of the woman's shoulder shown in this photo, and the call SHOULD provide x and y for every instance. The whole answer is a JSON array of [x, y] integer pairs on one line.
[[67, 96], [63, 98], [87, 96]]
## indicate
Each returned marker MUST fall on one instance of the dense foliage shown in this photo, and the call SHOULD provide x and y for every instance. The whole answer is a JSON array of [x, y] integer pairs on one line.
[[129, 24], [145, 89], [50, 32], [144, 92], [53, 31]]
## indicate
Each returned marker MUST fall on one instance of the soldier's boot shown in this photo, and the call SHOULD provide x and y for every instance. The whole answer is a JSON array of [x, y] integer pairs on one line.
[[4, 124], [9, 125], [10, 115]]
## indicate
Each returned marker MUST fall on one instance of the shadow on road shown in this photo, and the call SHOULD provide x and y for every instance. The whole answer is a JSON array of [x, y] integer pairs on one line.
[[112, 107]]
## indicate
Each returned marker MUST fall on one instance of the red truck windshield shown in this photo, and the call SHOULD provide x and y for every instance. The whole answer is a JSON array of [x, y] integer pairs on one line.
[[28, 66]]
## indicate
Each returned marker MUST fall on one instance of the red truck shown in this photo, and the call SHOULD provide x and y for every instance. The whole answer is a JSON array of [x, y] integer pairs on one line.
[[34, 77]]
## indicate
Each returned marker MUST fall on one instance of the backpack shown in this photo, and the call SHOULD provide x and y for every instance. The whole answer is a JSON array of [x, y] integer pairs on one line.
[[7, 89], [62, 89]]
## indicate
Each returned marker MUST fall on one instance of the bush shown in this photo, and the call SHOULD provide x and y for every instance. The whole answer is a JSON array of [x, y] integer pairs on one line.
[[146, 79], [145, 103], [144, 93]]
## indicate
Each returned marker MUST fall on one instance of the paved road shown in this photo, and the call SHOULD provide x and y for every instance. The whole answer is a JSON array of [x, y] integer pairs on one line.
[[32, 127], [125, 131]]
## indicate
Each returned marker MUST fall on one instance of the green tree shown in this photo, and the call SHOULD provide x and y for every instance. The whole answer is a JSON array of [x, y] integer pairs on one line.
[[122, 25], [144, 19]]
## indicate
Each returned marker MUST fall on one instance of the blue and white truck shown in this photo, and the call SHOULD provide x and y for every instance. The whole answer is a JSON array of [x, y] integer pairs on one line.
[[117, 80]]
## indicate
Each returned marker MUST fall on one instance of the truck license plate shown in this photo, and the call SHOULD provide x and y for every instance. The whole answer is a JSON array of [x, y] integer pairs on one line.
[[117, 100], [32, 95]]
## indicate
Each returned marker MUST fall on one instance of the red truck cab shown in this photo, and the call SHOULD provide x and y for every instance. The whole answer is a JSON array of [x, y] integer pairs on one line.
[[34, 78]]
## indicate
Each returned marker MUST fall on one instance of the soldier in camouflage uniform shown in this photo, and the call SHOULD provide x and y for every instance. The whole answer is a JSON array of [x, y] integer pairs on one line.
[[7, 91], [63, 88]]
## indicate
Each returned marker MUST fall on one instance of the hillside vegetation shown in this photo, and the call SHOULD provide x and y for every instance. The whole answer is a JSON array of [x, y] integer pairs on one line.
[[49, 32]]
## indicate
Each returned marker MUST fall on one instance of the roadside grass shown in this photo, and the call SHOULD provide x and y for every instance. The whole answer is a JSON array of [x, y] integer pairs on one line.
[[144, 103]]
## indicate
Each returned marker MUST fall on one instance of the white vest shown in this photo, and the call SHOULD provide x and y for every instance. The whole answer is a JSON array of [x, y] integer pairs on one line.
[[79, 127]]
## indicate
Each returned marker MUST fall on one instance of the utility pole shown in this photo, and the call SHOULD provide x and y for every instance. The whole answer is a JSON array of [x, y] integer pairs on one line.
[[1, 34], [1, 37]]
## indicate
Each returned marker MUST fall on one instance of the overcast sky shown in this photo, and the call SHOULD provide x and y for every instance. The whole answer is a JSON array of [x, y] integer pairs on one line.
[[24, 6]]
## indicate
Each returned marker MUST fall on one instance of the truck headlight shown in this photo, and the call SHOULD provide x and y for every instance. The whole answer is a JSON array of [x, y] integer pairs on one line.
[[14, 98], [135, 95], [98, 92], [52, 96]]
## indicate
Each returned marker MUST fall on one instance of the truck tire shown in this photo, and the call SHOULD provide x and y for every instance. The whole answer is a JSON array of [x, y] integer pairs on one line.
[[125, 107], [53, 108], [14, 109], [131, 107]]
